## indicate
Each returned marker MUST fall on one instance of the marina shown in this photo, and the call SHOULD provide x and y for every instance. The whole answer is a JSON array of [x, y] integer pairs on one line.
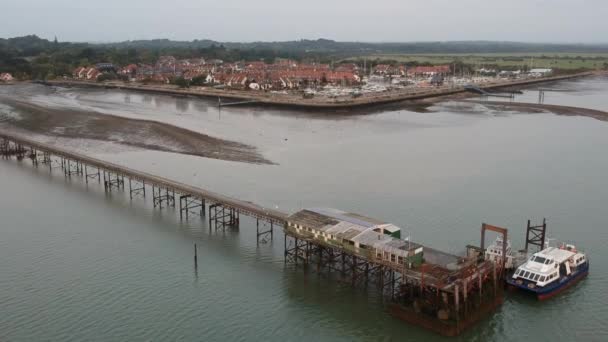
[[344, 102]]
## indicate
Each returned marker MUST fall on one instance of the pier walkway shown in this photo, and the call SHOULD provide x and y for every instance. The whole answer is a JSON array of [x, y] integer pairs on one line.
[[223, 210]]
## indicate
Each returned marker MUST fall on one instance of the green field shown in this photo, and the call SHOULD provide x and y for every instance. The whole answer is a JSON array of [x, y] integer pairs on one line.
[[536, 60]]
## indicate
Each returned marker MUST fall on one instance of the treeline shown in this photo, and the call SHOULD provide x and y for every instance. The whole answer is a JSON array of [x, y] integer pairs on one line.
[[33, 57]]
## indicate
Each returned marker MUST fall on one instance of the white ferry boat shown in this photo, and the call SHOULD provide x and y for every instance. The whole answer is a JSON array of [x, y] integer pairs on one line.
[[551, 271], [494, 253]]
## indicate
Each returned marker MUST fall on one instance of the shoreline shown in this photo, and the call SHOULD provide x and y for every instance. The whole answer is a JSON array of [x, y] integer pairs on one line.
[[298, 102]]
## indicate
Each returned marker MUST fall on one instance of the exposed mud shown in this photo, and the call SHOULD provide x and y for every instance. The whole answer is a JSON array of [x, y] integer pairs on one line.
[[539, 108], [80, 124]]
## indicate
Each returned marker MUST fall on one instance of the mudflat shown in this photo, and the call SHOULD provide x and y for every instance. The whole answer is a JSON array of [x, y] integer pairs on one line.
[[72, 123]]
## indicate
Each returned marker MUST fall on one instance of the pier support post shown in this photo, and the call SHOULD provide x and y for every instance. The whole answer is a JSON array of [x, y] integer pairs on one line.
[[137, 188], [158, 197], [92, 175], [113, 180], [33, 156], [264, 234], [223, 217], [72, 168], [187, 204]]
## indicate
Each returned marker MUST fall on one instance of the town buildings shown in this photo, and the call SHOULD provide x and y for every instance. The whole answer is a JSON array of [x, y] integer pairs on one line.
[[282, 74]]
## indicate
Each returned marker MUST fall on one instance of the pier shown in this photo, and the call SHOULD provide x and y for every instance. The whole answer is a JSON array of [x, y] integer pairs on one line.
[[441, 292]]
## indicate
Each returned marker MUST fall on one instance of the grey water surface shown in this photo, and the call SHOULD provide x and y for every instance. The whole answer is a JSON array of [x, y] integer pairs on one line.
[[77, 264]]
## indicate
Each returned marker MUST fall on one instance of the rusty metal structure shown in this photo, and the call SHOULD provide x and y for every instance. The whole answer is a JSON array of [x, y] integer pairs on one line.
[[535, 235], [443, 293], [438, 291]]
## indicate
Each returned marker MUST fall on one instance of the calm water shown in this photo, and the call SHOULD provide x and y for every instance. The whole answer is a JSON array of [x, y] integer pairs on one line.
[[78, 264]]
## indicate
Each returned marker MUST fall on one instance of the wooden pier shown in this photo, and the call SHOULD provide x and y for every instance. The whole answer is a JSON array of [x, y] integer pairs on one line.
[[224, 211], [441, 292]]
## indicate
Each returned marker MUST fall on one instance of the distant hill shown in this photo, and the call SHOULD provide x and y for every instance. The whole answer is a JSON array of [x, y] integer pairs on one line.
[[357, 48]]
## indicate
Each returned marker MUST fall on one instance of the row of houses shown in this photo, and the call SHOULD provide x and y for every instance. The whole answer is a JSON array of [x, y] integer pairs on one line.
[[257, 75]]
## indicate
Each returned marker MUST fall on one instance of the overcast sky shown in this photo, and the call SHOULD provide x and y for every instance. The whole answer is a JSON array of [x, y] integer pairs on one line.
[[344, 20]]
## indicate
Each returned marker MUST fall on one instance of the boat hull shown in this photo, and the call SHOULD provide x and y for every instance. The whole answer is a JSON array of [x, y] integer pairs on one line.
[[566, 285]]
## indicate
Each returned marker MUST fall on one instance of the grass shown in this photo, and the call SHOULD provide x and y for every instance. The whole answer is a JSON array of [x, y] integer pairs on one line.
[[537, 60]]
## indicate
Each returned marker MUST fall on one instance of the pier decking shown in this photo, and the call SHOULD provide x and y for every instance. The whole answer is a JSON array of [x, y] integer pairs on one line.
[[438, 291]]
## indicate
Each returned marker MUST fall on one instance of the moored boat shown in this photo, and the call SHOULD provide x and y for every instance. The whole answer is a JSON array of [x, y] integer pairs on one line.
[[551, 271]]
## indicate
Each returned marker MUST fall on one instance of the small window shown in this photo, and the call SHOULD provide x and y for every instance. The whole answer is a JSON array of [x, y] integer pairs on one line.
[[392, 257], [542, 279], [536, 276], [526, 274]]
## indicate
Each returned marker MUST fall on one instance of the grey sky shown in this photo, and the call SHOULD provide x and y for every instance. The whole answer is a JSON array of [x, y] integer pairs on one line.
[[344, 20]]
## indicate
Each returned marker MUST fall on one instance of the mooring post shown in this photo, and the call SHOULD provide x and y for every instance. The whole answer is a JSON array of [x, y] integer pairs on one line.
[[195, 257]]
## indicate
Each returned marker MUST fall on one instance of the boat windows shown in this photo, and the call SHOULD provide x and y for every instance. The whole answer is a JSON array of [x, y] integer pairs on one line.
[[539, 260], [526, 274], [542, 279], [536, 276]]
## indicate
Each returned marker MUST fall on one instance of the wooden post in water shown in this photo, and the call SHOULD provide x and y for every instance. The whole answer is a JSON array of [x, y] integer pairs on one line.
[[195, 257]]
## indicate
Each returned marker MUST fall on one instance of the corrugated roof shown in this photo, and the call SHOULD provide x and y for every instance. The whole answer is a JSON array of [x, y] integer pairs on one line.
[[348, 217], [312, 219]]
